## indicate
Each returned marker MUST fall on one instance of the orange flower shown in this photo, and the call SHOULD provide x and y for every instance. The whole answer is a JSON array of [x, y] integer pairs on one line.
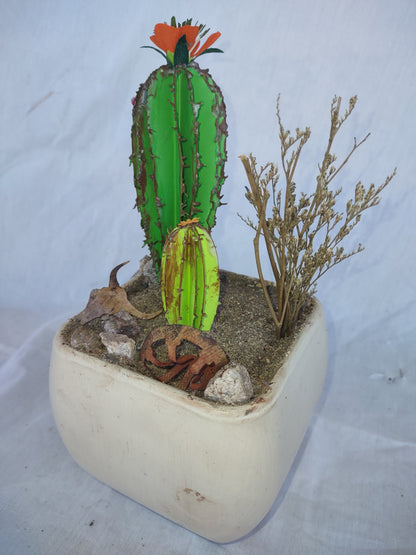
[[166, 38]]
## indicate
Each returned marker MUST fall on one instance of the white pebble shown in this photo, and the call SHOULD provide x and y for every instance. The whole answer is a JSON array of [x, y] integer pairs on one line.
[[231, 385], [118, 344]]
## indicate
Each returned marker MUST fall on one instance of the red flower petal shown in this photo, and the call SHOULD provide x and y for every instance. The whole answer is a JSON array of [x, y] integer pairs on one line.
[[194, 49], [191, 32], [166, 37], [210, 40]]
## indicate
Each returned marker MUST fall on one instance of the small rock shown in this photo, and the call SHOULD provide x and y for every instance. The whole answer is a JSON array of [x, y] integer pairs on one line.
[[118, 344], [85, 338], [231, 385], [124, 323], [147, 268]]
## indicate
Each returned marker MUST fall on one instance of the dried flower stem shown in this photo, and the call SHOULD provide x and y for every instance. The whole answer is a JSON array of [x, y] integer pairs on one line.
[[262, 228], [303, 236]]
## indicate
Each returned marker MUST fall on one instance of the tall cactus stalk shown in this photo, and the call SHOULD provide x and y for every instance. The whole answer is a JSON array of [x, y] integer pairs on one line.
[[178, 139], [190, 277]]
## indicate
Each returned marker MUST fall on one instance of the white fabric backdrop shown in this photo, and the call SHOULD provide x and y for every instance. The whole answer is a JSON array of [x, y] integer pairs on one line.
[[68, 71]]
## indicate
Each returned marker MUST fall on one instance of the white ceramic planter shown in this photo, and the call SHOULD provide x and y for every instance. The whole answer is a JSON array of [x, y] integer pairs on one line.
[[215, 470]]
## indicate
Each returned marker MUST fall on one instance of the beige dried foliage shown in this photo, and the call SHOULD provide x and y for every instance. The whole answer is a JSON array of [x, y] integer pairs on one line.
[[303, 233]]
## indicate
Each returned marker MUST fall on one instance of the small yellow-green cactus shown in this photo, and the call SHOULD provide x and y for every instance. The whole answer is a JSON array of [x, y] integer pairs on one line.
[[190, 276]]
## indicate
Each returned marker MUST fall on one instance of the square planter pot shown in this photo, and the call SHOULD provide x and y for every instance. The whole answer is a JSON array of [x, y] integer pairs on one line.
[[214, 469]]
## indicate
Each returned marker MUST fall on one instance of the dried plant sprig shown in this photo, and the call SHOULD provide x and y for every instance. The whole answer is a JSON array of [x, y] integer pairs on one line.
[[303, 234]]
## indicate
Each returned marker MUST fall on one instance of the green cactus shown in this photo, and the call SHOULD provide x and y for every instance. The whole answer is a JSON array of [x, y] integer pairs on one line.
[[178, 142], [190, 277]]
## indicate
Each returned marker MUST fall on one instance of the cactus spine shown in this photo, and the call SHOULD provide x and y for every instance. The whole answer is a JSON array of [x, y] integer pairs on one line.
[[190, 277], [178, 150]]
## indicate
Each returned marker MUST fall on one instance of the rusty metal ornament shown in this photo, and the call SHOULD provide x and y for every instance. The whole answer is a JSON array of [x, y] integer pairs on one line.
[[110, 300], [199, 369]]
